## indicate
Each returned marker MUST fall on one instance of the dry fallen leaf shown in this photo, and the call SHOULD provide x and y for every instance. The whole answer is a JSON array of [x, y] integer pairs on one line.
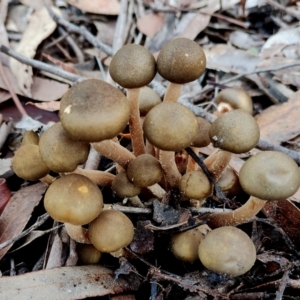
[[151, 23], [18, 211], [65, 283], [50, 106], [40, 26], [105, 7]]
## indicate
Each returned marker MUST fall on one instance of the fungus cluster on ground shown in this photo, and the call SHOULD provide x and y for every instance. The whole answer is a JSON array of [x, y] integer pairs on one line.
[[94, 113]]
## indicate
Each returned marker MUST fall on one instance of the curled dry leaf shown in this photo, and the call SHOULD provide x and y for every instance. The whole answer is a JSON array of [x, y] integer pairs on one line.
[[105, 7], [18, 211], [4, 194], [65, 283], [40, 26]]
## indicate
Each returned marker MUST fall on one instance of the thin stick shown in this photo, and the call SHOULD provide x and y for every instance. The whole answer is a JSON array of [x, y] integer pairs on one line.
[[12, 93]]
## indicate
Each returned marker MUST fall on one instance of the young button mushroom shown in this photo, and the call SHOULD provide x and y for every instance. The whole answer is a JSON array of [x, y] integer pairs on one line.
[[73, 199], [185, 245], [123, 187], [144, 171], [267, 176], [148, 98], [61, 153], [30, 137], [111, 231], [234, 98], [171, 127], [28, 164], [180, 61], [93, 110], [227, 250], [133, 67]]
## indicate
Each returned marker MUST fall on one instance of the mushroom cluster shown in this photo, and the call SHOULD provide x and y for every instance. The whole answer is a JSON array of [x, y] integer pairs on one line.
[[94, 114]]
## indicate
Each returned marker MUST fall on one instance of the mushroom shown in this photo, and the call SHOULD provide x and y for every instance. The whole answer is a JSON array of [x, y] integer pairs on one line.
[[133, 67], [171, 127], [148, 98], [267, 176], [111, 231], [234, 98], [123, 187], [144, 171], [180, 61], [93, 110], [28, 164], [88, 254], [61, 153], [227, 250], [185, 245], [74, 199], [30, 137]]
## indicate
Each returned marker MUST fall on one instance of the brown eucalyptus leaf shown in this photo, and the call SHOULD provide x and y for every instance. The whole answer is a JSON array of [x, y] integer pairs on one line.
[[18, 211], [65, 283], [105, 7]]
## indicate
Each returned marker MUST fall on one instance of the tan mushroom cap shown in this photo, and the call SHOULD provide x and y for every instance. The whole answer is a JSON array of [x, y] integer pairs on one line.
[[227, 250], [133, 66], [145, 170], [202, 138], [235, 131], [170, 126], [237, 98], [94, 110], [181, 60], [73, 199], [28, 164], [123, 187], [61, 153], [195, 185], [148, 98], [30, 137], [111, 231], [270, 175]]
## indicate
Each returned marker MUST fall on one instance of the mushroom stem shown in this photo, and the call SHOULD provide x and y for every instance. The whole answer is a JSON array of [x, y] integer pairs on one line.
[[192, 165], [173, 91], [137, 138], [100, 178], [238, 216], [114, 151], [78, 233], [171, 172]]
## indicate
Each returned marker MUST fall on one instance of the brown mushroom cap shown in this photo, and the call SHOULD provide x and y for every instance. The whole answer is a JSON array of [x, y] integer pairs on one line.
[[237, 98], [111, 231], [28, 164], [270, 175], [30, 137], [185, 245], [195, 185], [144, 171], [61, 153], [88, 254], [202, 138], [73, 199], [181, 60], [235, 131], [123, 187], [170, 126], [133, 66], [93, 110], [227, 250], [148, 98]]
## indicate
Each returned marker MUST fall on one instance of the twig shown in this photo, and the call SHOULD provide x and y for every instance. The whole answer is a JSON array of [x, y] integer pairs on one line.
[[80, 30], [126, 209], [11, 91], [41, 66], [208, 88], [40, 221], [282, 286], [285, 9]]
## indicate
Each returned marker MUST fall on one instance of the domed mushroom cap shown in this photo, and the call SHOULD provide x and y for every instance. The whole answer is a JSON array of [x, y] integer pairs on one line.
[[93, 110], [148, 98], [145, 170], [202, 138], [227, 250], [27, 163], [133, 66], [59, 152], [111, 231], [30, 137], [181, 60], [235, 131], [195, 185], [237, 98], [170, 126], [73, 199], [123, 187], [270, 175]]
